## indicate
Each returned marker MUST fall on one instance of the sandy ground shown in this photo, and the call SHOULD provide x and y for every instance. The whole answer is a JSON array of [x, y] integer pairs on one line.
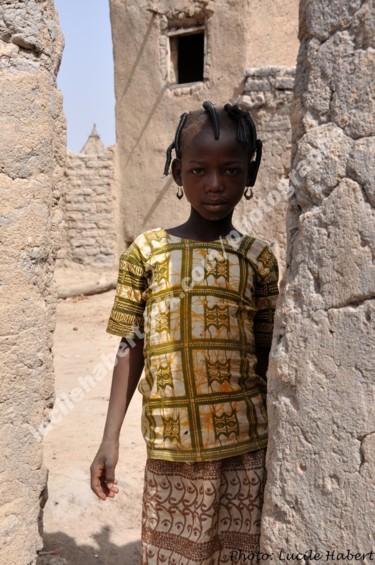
[[88, 530]]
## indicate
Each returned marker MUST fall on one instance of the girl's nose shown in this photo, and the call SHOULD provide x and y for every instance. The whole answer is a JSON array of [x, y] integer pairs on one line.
[[214, 182]]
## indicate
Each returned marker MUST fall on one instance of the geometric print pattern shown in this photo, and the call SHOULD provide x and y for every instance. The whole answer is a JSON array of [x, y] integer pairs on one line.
[[201, 308]]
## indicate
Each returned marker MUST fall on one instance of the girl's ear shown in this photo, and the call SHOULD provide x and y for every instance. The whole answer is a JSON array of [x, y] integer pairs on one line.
[[176, 171]]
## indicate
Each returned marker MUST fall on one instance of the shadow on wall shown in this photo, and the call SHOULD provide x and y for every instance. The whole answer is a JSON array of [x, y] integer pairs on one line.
[[147, 123], [137, 60], [70, 553]]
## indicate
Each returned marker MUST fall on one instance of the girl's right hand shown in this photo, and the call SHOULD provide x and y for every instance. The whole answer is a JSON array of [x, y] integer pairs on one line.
[[102, 470]]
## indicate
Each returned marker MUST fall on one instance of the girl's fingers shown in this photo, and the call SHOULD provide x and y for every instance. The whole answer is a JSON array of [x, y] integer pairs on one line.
[[96, 486], [97, 481], [98, 490], [112, 491], [103, 487], [109, 487]]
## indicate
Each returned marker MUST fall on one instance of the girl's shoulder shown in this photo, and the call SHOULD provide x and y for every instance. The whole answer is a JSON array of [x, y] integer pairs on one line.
[[151, 237], [146, 243], [258, 243], [252, 245], [259, 251]]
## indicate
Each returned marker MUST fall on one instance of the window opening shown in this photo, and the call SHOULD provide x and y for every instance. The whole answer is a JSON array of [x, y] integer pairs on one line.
[[187, 57]]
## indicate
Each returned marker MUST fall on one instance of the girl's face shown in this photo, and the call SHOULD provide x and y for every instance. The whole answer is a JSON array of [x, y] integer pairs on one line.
[[212, 172]]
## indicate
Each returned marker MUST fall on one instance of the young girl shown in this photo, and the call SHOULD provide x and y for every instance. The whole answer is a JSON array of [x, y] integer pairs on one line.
[[194, 306]]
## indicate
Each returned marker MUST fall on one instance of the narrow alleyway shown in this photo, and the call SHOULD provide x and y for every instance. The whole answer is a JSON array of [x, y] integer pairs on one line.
[[78, 528]]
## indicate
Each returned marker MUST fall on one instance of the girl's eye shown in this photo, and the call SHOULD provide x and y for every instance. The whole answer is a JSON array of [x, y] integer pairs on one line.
[[232, 171], [197, 171]]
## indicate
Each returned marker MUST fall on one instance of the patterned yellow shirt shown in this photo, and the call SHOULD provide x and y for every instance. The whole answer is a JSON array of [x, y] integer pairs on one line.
[[201, 308]]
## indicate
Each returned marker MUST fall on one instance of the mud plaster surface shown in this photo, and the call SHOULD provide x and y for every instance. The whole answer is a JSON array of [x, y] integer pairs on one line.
[[90, 531]]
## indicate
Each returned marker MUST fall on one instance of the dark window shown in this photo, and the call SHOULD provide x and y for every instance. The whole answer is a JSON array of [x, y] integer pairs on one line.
[[190, 57]]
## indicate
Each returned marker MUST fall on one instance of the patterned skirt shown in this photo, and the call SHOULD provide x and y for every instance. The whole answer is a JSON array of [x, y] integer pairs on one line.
[[205, 513]]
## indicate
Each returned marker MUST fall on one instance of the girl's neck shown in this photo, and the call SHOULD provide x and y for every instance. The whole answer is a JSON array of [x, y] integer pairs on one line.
[[200, 229]]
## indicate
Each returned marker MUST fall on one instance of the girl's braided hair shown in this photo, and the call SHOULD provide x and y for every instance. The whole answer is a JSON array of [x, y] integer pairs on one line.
[[246, 133]]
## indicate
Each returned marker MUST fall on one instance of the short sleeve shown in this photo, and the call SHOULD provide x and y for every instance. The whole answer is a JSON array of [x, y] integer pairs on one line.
[[265, 293], [126, 317]]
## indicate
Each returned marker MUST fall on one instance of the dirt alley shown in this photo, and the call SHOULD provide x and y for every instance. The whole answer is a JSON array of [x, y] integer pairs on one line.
[[79, 528]]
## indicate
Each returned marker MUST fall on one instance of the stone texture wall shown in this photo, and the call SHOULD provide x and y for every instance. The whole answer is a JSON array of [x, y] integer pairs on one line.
[[32, 154], [320, 494], [90, 236], [238, 34], [268, 94]]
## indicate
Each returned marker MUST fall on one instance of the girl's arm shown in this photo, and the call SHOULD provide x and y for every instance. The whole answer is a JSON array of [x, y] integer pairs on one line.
[[126, 375]]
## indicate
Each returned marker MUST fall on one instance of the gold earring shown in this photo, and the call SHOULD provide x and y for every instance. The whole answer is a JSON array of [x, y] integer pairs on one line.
[[179, 192], [248, 194]]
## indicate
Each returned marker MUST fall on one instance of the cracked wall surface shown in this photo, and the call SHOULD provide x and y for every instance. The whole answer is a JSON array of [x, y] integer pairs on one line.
[[32, 155], [320, 493], [239, 35]]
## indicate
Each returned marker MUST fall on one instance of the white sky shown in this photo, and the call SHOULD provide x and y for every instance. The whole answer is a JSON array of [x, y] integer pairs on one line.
[[86, 73]]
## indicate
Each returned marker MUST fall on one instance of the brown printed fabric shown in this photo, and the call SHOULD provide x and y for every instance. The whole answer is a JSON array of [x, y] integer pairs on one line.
[[201, 309], [203, 513]]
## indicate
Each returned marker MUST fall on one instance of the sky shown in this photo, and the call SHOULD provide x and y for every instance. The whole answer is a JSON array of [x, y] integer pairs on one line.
[[86, 73]]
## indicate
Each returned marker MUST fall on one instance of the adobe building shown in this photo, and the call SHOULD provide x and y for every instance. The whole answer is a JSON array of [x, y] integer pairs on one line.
[[170, 56]]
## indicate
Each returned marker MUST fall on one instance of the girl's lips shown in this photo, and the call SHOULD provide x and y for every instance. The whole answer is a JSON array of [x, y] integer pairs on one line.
[[217, 203]]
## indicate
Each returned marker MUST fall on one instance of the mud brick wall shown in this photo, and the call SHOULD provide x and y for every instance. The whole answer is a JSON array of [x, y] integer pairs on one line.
[[32, 155], [90, 236]]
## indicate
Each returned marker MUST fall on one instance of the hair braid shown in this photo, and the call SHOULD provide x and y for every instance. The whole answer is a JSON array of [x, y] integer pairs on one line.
[[212, 112], [176, 145], [246, 131]]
